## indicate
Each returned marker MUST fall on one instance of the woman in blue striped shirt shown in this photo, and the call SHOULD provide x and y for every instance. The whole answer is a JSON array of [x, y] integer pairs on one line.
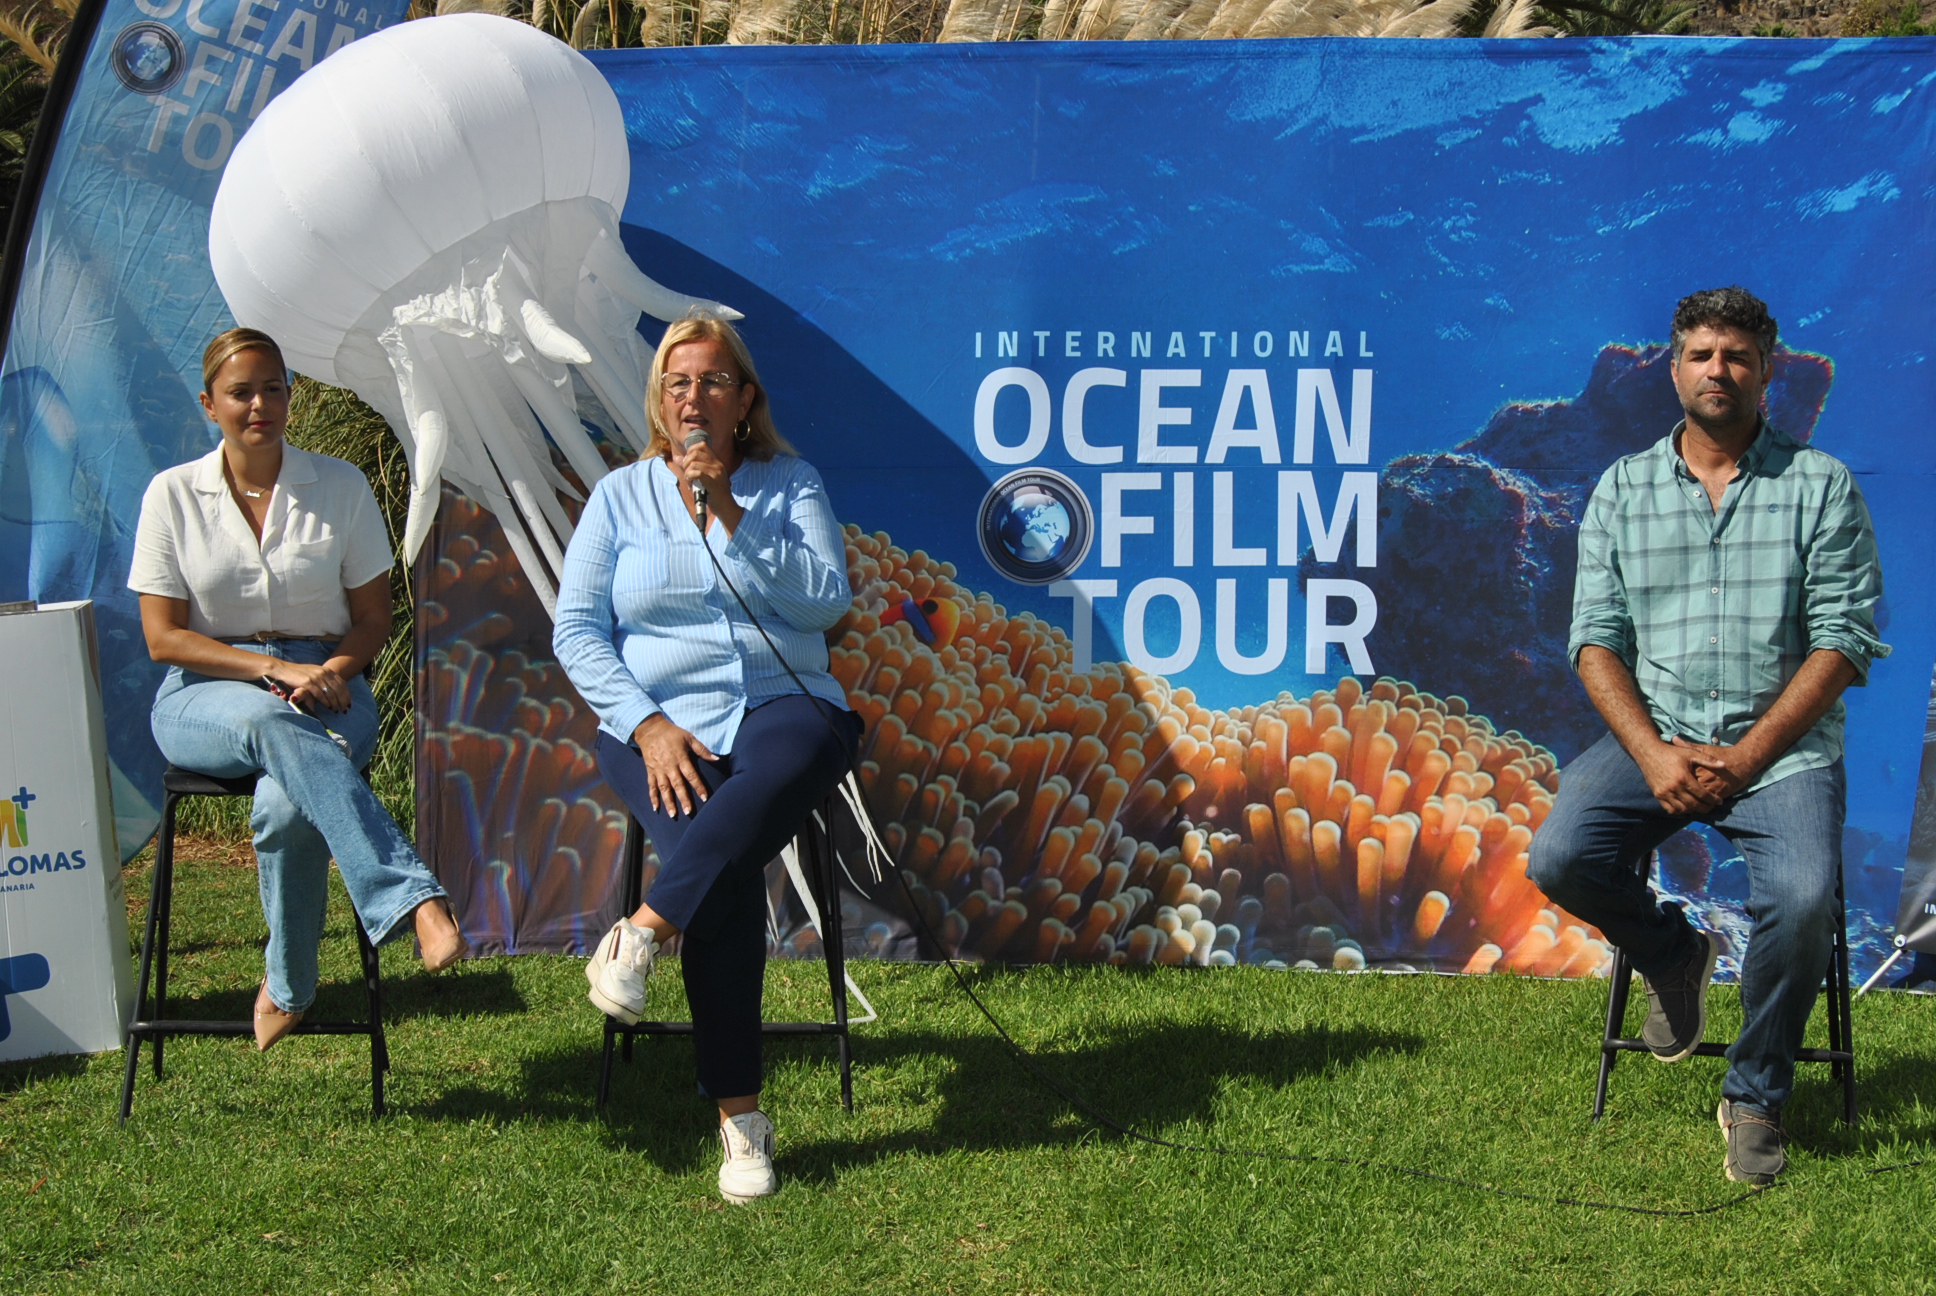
[[719, 724]]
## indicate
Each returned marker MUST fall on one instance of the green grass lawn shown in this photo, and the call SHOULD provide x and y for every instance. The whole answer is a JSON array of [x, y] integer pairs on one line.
[[956, 1172]]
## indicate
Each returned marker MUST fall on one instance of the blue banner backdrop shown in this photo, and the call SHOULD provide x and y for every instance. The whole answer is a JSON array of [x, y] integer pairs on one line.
[[1436, 275], [116, 301], [1181, 382]]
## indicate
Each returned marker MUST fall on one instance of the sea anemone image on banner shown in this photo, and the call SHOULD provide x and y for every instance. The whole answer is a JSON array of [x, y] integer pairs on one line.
[[1044, 813]]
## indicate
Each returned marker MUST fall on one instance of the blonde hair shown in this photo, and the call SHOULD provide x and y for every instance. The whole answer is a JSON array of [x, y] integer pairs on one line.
[[231, 343], [762, 440]]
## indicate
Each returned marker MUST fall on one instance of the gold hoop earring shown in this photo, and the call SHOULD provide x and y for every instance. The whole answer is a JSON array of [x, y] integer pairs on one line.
[[743, 431]]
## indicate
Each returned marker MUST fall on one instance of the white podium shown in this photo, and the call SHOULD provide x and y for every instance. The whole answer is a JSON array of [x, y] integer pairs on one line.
[[66, 976]]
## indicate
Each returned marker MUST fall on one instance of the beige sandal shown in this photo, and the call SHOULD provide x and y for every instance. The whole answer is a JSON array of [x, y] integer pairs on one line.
[[271, 1023]]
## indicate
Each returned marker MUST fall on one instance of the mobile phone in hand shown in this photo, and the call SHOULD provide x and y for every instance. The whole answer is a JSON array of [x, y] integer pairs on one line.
[[284, 692]]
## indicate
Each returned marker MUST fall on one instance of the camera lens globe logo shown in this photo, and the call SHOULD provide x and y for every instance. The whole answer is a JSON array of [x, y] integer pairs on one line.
[[147, 57], [1035, 526]]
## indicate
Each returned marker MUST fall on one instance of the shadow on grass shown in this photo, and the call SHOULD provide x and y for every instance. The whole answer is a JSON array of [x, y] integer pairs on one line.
[[982, 1099], [1888, 1097], [468, 994], [15, 1076], [462, 992], [1149, 1079]]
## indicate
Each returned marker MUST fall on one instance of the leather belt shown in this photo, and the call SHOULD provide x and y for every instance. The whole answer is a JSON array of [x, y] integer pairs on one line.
[[270, 636]]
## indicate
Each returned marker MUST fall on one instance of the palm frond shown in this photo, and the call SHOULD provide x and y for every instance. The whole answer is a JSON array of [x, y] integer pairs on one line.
[[37, 34]]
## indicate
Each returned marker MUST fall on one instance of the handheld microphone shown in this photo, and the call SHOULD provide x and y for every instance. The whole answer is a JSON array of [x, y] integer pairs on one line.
[[699, 437]]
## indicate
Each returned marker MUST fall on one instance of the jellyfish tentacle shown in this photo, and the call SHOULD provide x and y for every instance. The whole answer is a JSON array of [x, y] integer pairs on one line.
[[550, 337], [512, 454], [608, 261], [560, 421], [624, 402], [529, 517], [425, 434], [511, 405], [433, 434]]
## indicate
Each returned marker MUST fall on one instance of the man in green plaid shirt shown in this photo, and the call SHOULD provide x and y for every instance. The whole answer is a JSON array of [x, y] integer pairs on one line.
[[1726, 596]]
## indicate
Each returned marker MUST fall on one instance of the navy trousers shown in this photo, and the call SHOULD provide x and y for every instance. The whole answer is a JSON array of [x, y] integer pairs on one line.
[[786, 757]]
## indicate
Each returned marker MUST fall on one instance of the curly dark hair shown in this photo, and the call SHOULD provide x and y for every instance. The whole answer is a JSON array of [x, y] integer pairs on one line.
[[1730, 307]]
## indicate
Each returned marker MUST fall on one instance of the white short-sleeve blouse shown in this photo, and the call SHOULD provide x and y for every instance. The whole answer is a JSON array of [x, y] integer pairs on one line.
[[323, 535]]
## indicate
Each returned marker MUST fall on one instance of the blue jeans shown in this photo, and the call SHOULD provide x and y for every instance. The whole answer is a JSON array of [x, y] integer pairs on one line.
[[1587, 857], [310, 804]]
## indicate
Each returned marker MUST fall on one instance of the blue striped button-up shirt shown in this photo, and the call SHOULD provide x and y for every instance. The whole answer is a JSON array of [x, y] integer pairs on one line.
[[644, 625], [1715, 609]]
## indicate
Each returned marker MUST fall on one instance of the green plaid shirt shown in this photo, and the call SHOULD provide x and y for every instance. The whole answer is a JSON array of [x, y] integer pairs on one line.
[[1714, 610]]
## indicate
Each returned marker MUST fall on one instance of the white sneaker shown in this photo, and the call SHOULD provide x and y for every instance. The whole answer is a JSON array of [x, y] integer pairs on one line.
[[618, 969], [747, 1170]]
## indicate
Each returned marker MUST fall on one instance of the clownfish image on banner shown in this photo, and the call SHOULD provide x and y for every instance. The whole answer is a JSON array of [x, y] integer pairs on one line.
[[933, 621]]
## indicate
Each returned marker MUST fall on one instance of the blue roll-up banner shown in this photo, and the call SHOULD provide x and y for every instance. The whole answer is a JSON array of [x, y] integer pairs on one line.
[[1212, 422], [115, 303]]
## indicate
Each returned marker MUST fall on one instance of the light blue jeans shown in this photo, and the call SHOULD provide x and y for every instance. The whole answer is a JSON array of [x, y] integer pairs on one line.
[[1586, 857], [310, 804]]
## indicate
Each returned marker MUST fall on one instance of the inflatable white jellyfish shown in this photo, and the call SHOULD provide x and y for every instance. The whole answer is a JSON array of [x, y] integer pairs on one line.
[[429, 217]]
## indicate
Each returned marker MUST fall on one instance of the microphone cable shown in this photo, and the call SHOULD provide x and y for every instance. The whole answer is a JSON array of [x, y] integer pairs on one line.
[[1034, 1067]]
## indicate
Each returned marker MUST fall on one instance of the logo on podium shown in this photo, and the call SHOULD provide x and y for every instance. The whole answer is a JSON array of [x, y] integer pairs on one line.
[[13, 818], [18, 975]]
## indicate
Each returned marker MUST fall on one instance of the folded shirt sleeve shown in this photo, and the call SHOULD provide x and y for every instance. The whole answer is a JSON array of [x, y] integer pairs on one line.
[[584, 627], [794, 554], [1600, 613], [366, 549], [156, 568], [1842, 579]]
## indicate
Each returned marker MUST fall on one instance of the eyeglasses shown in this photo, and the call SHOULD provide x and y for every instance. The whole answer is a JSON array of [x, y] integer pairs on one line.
[[715, 385]]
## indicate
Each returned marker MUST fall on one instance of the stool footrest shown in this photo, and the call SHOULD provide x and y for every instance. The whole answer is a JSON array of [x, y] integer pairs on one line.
[[685, 1028], [1707, 1048], [165, 1027]]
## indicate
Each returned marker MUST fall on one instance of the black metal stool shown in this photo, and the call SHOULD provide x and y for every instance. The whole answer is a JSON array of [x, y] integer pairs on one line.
[[177, 784], [1840, 1053], [815, 844]]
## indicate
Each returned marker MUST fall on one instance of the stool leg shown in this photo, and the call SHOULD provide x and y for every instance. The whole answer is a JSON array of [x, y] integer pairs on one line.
[[1839, 992], [163, 906], [605, 1065], [373, 990], [634, 866], [164, 843], [1621, 981], [826, 875], [1832, 1005]]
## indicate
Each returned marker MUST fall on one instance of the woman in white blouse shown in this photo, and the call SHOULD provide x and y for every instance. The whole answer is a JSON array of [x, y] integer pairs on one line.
[[263, 572], [719, 724]]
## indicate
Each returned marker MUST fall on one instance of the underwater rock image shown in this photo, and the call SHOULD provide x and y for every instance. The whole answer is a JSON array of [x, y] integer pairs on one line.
[[1477, 543]]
